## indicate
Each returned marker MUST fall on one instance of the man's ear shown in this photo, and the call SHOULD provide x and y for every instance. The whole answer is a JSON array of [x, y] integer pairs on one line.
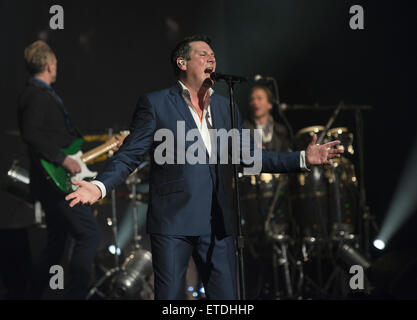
[[182, 63], [48, 68]]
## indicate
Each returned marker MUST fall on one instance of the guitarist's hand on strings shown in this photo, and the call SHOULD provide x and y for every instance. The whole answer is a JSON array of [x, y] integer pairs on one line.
[[87, 193], [71, 165]]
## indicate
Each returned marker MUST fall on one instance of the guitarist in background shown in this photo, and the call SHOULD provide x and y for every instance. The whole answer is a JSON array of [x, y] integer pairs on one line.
[[46, 128]]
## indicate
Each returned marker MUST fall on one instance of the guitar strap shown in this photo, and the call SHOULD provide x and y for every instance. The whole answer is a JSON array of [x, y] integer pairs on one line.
[[71, 128]]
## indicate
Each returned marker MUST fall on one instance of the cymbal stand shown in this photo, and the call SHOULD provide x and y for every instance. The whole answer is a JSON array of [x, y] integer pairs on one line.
[[366, 219], [95, 289], [114, 219], [323, 231], [279, 246], [136, 236]]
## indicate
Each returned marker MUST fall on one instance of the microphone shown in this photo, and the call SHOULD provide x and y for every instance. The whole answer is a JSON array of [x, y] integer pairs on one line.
[[259, 77], [217, 76]]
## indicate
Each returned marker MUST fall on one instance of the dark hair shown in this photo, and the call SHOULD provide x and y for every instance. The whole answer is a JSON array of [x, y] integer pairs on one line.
[[183, 49], [269, 94]]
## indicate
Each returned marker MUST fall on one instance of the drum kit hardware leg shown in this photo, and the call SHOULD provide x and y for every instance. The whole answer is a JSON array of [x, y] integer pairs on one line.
[[114, 219], [280, 258], [136, 236], [367, 219], [133, 279], [279, 246]]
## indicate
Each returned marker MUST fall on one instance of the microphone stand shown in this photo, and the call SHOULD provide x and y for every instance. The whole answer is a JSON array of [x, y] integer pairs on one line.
[[239, 239]]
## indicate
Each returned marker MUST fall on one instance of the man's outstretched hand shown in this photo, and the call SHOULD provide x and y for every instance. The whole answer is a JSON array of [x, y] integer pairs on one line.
[[87, 193], [321, 154]]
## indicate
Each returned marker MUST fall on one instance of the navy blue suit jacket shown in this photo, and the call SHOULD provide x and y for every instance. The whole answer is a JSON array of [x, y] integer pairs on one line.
[[181, 195]]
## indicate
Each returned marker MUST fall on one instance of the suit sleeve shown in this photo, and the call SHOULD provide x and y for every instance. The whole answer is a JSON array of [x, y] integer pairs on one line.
[[32, 130], [134, 148], [271, 161]]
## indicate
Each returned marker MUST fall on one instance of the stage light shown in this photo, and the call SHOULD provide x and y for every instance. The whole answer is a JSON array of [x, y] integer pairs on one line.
[[133, 279], [379, 244], [112, 250]]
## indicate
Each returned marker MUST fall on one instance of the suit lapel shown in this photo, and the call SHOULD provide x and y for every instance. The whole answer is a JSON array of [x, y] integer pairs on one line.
[[217, 118], [181, 106], [215, 113]]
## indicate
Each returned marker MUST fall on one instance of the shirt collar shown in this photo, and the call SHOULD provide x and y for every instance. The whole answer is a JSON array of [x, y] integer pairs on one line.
[[43, 83], [186, 91], [268, 124]]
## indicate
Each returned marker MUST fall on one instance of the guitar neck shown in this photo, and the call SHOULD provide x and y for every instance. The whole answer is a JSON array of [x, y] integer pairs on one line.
[[98, 151]]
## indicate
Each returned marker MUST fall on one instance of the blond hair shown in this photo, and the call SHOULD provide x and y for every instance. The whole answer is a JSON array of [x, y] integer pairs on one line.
[[37, 56]]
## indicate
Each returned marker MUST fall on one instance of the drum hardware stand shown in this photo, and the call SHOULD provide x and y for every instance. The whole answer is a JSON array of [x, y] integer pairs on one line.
[[109, 273], [114, 218], [365, 217], [280, 256], [95, 289], [330, 122], [133, 180], [339, 238], [324, 232], [136, 238]]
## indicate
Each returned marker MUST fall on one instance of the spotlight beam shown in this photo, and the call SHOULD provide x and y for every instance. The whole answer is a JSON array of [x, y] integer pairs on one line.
[[404, 201]]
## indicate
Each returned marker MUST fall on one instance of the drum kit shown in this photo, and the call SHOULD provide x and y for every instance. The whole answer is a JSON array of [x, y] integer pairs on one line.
[[297, 223]]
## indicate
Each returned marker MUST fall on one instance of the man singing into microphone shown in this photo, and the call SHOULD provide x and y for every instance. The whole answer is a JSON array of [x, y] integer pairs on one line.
[[190, 206]]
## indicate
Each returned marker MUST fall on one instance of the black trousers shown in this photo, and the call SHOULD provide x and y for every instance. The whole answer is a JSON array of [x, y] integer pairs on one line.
[[214, 258], [214, 254], [62, 222]]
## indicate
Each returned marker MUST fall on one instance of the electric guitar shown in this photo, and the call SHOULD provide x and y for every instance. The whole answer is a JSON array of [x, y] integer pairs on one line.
[[62, 178]]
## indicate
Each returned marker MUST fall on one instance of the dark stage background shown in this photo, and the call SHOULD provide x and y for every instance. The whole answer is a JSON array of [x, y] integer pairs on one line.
[[112, 52]]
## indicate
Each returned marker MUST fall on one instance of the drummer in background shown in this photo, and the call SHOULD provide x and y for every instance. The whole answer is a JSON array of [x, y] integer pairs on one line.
[[274, 135], [258, 255]]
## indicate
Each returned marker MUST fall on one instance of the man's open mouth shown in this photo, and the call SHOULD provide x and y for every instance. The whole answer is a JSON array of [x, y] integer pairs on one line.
[[208, 70]]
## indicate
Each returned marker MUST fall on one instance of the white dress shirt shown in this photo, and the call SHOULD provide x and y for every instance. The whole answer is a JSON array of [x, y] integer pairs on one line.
[[203, 124]]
